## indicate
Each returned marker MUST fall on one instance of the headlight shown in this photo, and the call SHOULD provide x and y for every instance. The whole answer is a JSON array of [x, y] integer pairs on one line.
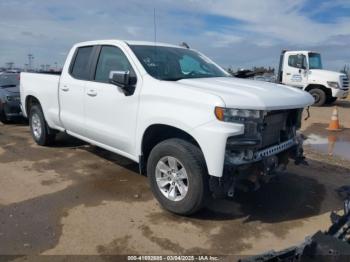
[[236, 115], [333, 84]]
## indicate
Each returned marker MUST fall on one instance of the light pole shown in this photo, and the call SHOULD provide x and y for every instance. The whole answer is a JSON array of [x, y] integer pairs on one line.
[[30, 61]]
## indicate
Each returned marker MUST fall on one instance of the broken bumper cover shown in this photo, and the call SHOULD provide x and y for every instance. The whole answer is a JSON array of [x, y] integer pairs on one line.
[[261, 154]]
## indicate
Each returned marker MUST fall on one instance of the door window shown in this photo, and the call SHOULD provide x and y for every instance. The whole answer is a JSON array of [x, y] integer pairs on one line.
[[111, 59], [81, 67], [298, 61]]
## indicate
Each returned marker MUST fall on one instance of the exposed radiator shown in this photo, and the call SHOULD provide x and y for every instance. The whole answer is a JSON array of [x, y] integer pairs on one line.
[[274, 124]]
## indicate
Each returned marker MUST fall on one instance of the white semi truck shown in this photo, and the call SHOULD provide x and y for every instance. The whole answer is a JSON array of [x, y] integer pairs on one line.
[[303, 69]]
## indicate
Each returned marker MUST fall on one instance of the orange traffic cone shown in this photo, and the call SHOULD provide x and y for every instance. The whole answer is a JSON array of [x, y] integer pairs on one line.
[[334, 125]]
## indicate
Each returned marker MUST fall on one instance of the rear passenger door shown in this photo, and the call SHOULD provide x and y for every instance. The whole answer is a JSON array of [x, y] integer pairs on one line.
[[111, 115], [72, 90]]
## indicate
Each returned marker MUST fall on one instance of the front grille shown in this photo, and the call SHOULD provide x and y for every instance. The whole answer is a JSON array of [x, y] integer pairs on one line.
[[344, 80], [274, 124]]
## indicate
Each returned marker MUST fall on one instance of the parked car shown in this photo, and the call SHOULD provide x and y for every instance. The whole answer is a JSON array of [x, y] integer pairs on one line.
[[9, 97], [193, 129]]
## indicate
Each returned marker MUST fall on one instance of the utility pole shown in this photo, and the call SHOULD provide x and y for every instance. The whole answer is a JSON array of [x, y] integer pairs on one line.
[[30, 62]]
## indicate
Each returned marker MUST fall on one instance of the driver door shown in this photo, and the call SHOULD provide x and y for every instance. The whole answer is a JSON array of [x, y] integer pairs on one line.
[[295, 72], [110, 115]]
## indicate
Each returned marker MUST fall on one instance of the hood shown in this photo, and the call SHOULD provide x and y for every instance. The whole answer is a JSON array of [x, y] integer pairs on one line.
[[325, 74], [250, 94]]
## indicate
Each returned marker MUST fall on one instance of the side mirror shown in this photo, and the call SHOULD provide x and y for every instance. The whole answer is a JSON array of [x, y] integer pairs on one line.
[[124, 80]]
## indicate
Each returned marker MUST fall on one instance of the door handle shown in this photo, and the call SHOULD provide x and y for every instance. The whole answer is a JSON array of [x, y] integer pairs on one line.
[[92, 92], [65, 88], [288, 74]]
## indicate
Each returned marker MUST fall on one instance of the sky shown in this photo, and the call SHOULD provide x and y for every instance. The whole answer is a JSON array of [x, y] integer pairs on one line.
[[234, 33]]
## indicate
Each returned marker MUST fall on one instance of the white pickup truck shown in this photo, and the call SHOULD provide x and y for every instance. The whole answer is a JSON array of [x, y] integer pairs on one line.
[[194, 130]]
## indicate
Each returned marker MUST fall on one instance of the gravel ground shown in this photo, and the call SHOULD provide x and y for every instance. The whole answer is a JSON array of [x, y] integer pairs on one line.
[[76, 199]]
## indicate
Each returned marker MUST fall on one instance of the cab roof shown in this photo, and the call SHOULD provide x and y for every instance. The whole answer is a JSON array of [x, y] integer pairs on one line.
[[128, 42]]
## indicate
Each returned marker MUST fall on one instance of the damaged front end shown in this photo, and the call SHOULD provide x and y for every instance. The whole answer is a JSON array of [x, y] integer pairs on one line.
[[266, 146]]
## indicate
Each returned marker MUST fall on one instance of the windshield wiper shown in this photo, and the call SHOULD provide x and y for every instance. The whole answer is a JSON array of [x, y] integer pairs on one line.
[[172, 79]]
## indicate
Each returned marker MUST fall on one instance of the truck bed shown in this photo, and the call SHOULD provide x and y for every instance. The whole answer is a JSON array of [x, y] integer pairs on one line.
[[45, 88]]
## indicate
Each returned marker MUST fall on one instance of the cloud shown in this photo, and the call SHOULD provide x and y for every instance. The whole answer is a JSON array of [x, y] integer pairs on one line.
[[223, 39], [235, 33]]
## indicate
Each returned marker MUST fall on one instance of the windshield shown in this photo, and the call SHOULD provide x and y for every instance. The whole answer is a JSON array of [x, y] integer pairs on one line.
[[172, 64], [9, 80], [315, 61]]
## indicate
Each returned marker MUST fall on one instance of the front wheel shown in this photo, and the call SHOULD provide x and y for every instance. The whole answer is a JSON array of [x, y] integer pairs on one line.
[[178, 177], [39, 127], [319, 95]]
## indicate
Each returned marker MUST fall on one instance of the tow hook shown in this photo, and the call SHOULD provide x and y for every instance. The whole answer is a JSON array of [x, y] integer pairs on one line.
[[231, 190], [299, 158], [222, 187], [308, 113]]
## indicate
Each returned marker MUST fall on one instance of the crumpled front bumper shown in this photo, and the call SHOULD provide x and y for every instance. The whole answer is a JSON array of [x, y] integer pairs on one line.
[[261, 154], [266, 161]]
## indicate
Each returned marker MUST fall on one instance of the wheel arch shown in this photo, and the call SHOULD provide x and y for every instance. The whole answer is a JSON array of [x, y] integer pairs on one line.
[[156, 133], [29, 102], [32, 100], [322, 87]]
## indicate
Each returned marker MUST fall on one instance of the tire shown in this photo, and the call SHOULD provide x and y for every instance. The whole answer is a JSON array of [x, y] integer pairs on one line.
[[319, 96], [189, 157], [39, 127], [331, 100], [3, 118]]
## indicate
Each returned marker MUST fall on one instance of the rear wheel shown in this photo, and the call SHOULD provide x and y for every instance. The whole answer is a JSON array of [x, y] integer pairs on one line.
[[39, 127], [178, 177], [319, 95]]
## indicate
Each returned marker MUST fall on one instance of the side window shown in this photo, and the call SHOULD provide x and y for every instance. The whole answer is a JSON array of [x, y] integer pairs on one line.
[[81, 69], [297, 61], [111, 59], [292, 60]]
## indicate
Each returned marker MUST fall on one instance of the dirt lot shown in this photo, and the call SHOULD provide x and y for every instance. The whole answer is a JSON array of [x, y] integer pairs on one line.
[[74, 198]]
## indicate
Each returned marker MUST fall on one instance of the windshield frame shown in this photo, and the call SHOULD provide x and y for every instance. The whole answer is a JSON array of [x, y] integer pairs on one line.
[[219, 71]]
